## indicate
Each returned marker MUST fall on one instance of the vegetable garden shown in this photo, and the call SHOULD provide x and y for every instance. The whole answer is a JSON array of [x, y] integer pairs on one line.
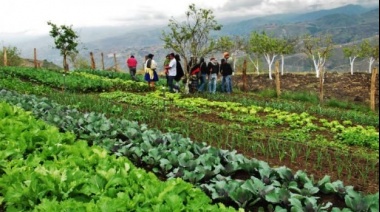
[[241, 150]]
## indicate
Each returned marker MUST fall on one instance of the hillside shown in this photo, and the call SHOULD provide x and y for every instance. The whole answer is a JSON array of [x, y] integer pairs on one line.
[[42, 63], [346, 24]]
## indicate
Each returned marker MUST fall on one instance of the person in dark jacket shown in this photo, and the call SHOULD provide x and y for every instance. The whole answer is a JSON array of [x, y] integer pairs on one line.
[[226, 71], [180, 72], [194, 69], [204, 74], [213, 67]]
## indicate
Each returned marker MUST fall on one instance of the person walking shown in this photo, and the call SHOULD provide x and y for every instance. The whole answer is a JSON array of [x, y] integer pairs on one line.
[[172, 72], [213, 67], [204, 74], [132, 64], [150, 71]]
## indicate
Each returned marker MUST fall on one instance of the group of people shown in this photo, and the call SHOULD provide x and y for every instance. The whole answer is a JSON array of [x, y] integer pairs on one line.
[[201, 73], [172, 66]]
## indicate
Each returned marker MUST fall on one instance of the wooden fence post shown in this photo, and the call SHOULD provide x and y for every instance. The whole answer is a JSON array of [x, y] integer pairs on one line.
[[373, 89], [115, 61], [5, 56], [35, 58], [102, 60], [92, 61], [277, 78], [245, 75]]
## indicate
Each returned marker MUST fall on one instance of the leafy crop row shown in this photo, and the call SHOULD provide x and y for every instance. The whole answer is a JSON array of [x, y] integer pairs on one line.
[[45, 170], [209, 168], [73, 81], [344, 132]]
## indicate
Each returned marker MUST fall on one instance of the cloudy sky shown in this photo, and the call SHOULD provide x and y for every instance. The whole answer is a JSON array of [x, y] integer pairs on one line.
[[30, 16]]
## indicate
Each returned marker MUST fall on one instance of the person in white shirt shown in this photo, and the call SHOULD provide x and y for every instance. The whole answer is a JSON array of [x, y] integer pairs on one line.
[[172, 72]]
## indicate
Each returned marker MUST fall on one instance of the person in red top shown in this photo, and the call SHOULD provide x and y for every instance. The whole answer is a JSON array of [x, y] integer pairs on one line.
[[132, 64]]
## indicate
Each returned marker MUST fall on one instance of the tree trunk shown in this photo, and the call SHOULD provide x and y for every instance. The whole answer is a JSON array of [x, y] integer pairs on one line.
[[373, 90], [277, 79], [92, 61], [65, 65], [321, 79]]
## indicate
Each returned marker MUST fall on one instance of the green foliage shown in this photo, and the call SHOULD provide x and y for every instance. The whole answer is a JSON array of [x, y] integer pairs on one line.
[[13, 56], [300, 96], [79, 62], [65, 39], [45, 170], [367, 49], [192, 37]]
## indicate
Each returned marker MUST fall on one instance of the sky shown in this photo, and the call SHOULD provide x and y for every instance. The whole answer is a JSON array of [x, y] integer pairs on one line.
[[30, 17]]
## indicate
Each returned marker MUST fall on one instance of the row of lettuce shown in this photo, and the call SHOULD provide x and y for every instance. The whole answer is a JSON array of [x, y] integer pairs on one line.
[[209, 168], [344, 133], [98, 81], [81, 81], [43, 169]]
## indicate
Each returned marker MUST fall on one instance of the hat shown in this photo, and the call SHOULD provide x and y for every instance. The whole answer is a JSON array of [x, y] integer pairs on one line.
[[150, 56], [226, 54]]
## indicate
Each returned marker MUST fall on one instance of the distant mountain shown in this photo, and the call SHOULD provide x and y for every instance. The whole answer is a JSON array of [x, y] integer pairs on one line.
[[346, 24], [344, 28], [313, 22], [345, 10]]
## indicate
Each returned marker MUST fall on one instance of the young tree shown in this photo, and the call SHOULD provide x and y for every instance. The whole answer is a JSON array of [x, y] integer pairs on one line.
[[264, 45], [369, 51], [286, 46], [78, 61], [252, 56], [191, 37], [318, 49], [352, 52], [12, 55], [65, 39], [235, 45]]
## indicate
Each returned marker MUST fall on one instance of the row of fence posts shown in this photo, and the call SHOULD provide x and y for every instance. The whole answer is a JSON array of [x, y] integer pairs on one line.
[[93, 66], [244, 76], [38, 65], [321, 83]]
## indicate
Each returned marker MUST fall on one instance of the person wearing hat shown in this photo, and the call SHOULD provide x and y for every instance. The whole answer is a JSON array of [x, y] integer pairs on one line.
[[132, 64], [213, 67], [150, 71], [226, 71]]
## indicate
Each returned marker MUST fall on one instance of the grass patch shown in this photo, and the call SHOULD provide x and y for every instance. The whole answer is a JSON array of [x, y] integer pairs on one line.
[[300, 96]]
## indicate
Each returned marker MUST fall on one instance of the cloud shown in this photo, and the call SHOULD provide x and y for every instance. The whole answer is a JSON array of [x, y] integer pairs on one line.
[[256, 8], [24, 16]]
